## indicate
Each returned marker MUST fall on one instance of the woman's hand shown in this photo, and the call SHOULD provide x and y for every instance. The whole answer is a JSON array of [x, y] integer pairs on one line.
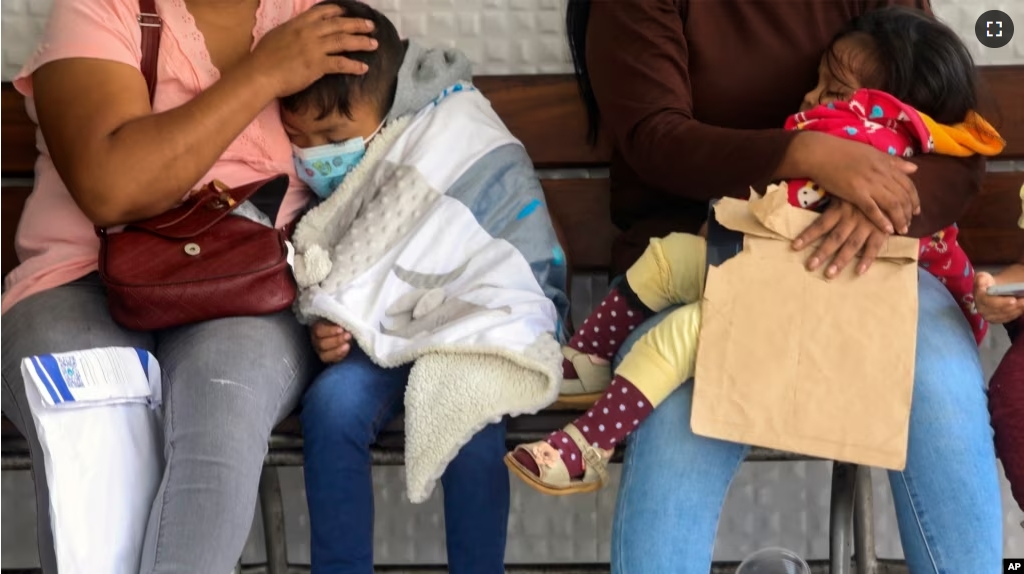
[[304, 49], [875, 182], [993, 308], [332, 343], [846, 230]]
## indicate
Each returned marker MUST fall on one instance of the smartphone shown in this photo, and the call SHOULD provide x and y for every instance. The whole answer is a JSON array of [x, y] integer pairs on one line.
[[1008, 290]]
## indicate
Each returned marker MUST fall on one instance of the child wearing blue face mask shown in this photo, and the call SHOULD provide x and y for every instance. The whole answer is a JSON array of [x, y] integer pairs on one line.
[[331, 122], [435, 285]]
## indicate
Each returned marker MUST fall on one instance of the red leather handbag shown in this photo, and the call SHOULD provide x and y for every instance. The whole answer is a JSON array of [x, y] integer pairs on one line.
[[195, 262]]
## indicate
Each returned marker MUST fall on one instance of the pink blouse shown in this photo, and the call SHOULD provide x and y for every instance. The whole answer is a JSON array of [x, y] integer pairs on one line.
[[55, 241]]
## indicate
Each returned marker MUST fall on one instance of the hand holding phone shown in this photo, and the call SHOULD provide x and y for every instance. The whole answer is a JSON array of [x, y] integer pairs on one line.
[[999, 303]]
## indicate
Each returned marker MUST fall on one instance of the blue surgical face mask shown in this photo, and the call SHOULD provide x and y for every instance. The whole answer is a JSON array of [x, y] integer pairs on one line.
[[325, 166]]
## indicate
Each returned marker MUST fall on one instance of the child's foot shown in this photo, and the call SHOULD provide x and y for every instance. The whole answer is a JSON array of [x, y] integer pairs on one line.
[[584, 378], [544, 467], [562, 463]]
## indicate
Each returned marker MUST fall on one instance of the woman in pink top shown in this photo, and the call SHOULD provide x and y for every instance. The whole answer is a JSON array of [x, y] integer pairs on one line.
[[107, 157]]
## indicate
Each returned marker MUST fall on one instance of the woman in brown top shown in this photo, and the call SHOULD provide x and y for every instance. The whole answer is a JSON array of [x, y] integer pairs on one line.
[[693, 94]]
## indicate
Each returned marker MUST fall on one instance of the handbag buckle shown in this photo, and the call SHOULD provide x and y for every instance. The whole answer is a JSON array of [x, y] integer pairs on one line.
[[223, 196]]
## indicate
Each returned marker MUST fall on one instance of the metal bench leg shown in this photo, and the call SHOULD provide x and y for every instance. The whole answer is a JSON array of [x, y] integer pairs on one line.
[[864, 524], [844, 481], [272, 507]]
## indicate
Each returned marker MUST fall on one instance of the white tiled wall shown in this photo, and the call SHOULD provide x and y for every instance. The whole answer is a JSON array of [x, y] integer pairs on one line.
[[506, 36], [769, 504]]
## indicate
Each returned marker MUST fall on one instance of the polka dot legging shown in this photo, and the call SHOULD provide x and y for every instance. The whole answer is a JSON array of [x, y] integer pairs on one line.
[[603, 332], [620, 410], [622, 407]]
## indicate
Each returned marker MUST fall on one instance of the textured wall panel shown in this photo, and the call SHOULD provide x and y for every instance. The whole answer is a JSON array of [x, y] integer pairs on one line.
[[505, 36]]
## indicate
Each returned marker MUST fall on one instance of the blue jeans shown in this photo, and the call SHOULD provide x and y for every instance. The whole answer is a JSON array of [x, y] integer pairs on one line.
[[342, 413], [947, 500]]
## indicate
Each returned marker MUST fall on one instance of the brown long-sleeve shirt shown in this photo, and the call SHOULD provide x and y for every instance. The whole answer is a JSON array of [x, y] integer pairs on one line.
[[694, 94]]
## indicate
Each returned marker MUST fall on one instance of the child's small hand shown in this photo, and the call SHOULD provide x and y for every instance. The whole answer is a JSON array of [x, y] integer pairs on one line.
[[332, 343], [993, 308]]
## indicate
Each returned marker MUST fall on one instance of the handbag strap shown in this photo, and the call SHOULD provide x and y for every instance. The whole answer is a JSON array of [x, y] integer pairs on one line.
[[151, 25]]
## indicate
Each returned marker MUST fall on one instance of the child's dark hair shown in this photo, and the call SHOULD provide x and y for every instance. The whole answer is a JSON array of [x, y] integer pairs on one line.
[[335, 92], [921, 61]]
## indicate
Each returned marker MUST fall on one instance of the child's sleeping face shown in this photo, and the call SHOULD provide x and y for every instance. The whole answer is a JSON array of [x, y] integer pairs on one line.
[[326, 147], [849, 66], [311, 128]]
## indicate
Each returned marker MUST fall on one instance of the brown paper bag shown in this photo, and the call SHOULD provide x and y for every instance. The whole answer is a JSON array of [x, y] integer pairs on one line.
[[792, 361]]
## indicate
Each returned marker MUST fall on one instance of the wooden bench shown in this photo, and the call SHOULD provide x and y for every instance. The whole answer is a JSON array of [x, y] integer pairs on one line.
[[545, 113]]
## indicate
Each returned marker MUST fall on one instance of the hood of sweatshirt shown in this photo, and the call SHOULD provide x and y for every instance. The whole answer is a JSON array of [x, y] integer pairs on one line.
[[424, 74]]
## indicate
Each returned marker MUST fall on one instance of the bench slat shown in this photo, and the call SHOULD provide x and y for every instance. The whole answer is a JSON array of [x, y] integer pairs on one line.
[[546, 114], [988, 230], [582, 209], [1003, 104]]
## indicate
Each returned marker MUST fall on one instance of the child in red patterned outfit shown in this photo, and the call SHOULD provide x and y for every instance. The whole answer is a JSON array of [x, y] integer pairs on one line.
[[879, 119], [896, 79]]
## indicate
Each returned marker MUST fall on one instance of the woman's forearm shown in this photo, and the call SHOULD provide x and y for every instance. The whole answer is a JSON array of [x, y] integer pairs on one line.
[[182, 144], [946, 186], [145, 164], [798, 159]]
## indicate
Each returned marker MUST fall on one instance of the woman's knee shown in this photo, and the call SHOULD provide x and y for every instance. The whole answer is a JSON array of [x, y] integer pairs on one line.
[[68, 318], [666, 436]]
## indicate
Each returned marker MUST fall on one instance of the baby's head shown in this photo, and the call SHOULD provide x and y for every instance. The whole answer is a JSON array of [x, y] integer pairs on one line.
[[903, 52], [330, 122]]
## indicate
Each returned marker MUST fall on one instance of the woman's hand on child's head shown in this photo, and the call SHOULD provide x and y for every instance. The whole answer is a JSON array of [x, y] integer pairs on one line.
[[846, 230], [305, 48], [993, 308], [874, 181], [332, 343]]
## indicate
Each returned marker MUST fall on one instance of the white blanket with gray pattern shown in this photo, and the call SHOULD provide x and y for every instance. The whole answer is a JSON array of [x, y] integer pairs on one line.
[[438, 250]]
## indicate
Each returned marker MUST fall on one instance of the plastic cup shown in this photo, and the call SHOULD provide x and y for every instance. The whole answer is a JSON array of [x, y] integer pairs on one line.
[[773, 561]]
